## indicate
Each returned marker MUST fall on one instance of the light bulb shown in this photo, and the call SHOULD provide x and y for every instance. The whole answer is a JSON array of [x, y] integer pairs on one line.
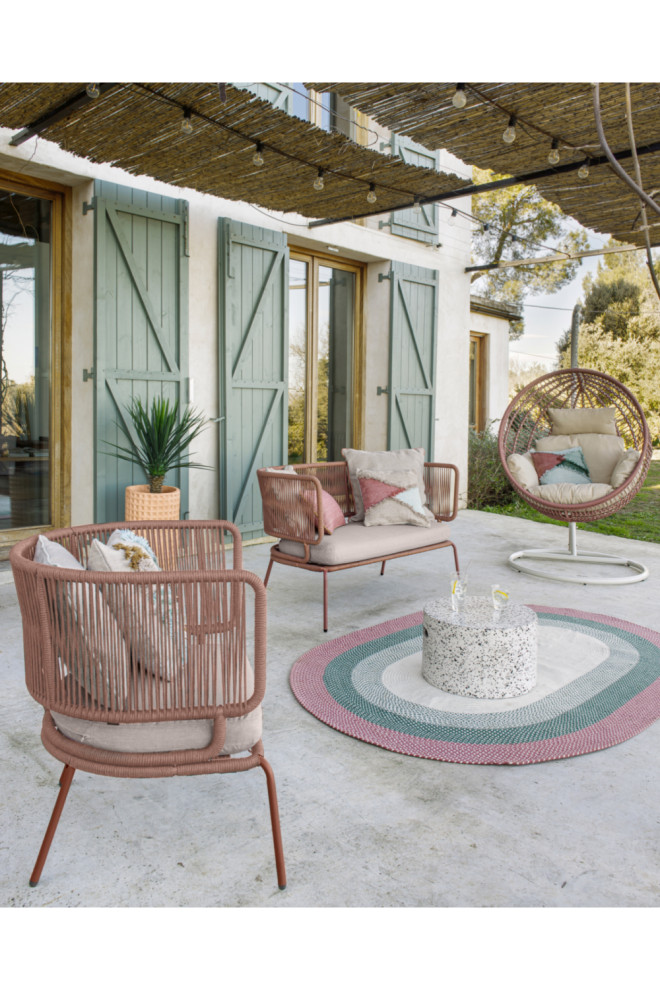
[[257, 157], [459, 99], [417, 206], [509, 135], [583, 171], [553, 154], [371, 195], [186, 123], [93, 91], [452, 217], [318, 181]]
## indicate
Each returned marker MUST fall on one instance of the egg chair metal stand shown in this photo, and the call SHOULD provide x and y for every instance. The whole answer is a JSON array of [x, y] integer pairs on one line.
[[526, 421]]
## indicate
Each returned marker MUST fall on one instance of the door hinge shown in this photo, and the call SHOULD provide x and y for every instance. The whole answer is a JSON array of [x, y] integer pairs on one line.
[[86, 207], [383, 275], [87, 374], [382, 390]]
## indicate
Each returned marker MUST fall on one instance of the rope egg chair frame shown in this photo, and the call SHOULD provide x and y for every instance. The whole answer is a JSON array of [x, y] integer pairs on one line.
[[526, 421]]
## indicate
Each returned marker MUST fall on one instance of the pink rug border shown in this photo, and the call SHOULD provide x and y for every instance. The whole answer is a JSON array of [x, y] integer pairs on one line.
[[306, 681]]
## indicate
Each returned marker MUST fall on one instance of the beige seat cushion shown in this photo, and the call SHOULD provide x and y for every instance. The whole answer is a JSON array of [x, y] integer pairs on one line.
[[587, 420], [159, 737], [411, 459], [359, 542], [566, 493], [522, 468], [601, 451]]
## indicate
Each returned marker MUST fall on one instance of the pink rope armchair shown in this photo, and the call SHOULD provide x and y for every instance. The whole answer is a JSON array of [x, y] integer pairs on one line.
[[527, 422], [147, 673]]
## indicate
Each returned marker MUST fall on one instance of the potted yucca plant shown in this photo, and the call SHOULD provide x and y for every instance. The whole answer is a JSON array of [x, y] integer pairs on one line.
[[160, 445]]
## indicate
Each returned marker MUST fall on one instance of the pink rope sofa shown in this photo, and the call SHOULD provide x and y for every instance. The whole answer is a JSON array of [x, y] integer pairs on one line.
[[146, 673], [530, 420]]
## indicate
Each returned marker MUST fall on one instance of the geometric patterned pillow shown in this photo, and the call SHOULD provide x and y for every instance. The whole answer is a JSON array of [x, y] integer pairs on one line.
[[560, 466], [392, 498]]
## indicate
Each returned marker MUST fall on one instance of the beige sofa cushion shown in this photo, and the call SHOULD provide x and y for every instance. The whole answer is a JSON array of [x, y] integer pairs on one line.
[[601, 420], [356, 542], [624, 467], [566, 493], [159, 737], [522, 468], [411, 459], [601, 451]]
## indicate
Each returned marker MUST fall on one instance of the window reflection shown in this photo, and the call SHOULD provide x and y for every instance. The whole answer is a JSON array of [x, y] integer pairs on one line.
[[25, 324]]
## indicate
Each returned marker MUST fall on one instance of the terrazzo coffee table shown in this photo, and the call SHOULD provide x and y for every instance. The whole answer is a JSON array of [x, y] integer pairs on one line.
[[478, 652]]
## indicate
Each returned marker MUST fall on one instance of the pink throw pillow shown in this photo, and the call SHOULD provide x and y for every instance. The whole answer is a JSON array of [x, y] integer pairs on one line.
[[333, 517]]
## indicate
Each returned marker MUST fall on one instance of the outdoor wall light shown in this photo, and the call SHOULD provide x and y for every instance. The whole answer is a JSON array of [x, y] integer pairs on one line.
[[509, 135], [459, 99]]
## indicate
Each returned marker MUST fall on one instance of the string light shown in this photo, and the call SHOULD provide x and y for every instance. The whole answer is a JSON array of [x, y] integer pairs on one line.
[[509, 135], [583, 170], [186, 123], [459, 99], [417, 206], [257, 157], [318, 181], [371, 195], [553, 155], [93, 91], [452, 217]]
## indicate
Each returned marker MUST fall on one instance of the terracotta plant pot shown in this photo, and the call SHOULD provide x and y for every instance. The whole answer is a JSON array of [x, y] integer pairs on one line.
[[142, 504]]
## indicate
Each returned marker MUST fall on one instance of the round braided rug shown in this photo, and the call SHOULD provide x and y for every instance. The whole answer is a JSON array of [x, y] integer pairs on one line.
[[598, 685]]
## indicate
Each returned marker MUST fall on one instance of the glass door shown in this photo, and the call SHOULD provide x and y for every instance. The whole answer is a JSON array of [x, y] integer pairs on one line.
[[26, 223], [323, 352]]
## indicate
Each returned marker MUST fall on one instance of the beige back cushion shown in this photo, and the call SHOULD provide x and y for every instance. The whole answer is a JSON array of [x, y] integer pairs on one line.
[[566, 421], [601, 451], [625, 467]]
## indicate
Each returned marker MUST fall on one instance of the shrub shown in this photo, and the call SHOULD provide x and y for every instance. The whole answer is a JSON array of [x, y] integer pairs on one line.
[[488, 485]]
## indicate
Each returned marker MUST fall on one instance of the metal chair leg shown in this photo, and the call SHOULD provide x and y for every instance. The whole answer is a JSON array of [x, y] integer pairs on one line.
[[382, 570], [275, 824], [65, 784], [270, 567], [325, 601]]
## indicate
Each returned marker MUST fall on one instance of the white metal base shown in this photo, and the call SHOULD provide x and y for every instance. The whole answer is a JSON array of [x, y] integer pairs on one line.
[[572, 556]]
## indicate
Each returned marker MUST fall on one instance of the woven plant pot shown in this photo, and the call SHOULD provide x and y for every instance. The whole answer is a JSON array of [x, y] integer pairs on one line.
[[142, 504]]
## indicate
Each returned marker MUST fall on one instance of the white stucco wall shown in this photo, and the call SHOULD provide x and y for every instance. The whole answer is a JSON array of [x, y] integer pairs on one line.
[[367, 243]]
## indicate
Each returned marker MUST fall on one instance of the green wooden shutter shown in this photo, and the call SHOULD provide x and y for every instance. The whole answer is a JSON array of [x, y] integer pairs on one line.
[[413, 319], [277, 93], [421, 226], [254, 356], [140, 326]]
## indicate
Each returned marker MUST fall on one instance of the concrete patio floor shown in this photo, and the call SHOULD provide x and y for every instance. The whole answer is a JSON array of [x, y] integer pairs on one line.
[[362, 827]]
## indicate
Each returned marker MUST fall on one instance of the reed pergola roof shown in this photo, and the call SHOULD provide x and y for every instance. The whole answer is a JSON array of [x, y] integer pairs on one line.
[[137, 127], [543, 112]]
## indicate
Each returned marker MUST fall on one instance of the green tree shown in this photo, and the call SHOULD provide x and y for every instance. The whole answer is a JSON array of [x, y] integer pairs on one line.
[[517, 223], [620, 332]]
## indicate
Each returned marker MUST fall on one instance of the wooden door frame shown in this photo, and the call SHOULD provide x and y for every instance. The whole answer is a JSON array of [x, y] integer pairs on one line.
[[315, 260], [61, 198], [480, 340]]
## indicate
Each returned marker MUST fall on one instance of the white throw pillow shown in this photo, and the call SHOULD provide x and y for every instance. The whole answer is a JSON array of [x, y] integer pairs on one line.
[[522, 468], [624, 467]]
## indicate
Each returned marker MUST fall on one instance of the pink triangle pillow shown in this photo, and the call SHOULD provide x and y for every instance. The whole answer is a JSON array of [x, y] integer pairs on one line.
[[333, 517]]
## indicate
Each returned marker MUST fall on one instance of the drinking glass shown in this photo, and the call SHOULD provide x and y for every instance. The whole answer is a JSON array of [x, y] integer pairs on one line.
[[458, 589], [500, 597]]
